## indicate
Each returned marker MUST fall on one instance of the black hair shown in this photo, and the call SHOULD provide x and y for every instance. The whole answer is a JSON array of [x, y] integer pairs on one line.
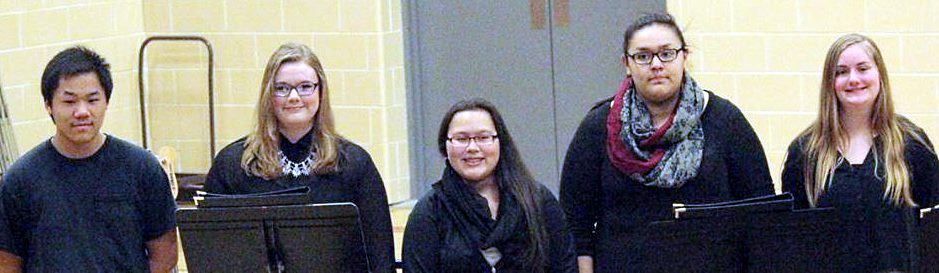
[[512, 175], [75, 61], [648, 20]]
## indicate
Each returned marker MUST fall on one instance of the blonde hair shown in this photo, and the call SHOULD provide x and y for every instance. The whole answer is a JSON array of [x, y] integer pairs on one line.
[[827, 134], [262, 144]]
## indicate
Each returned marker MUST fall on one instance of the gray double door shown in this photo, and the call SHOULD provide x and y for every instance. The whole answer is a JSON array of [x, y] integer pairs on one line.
[[543, 63]]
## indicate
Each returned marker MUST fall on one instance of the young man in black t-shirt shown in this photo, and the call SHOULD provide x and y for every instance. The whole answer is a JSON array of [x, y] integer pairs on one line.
[[84, 201]]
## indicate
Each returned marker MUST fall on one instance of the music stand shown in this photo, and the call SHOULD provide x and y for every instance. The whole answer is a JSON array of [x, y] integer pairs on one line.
[[287, 238]]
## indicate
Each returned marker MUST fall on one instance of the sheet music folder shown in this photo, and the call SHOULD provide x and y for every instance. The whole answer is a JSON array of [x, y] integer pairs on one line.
[[926, 240], [762, 234], [271, 233]]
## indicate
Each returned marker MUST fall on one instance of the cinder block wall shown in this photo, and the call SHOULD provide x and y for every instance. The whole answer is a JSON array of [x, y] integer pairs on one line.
[[766, 56], [359, 42], [34, 31]]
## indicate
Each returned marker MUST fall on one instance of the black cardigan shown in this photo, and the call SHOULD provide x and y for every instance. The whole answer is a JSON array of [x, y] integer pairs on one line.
[[879, 240], [357, 181], [432, 242], [605, 207]]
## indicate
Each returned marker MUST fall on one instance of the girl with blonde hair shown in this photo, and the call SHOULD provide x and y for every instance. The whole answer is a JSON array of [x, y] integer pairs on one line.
[[862, 158], [294, 144]]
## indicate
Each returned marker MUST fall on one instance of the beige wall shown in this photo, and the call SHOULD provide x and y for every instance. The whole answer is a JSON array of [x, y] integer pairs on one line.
[[359, 42], [766, 56], [34, 31]]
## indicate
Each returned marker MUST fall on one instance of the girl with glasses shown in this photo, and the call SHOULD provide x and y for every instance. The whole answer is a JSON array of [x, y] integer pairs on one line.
[[862, 158], [662, 139], [487, 213], [294, 144]]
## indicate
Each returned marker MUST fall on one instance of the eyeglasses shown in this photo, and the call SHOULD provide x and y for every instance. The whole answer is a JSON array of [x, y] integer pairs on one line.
[[464, 141], [666, 55], [303, 89]]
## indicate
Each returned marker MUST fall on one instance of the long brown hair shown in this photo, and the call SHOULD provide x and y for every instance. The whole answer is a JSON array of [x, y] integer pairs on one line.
[[261, 147], [826, 136], [512, 175]]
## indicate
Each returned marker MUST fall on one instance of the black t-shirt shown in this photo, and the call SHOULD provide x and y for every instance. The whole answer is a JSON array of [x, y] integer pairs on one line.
[[85, 215]]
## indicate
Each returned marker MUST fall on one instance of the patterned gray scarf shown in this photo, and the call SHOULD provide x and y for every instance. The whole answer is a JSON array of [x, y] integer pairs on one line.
[[682, 142]]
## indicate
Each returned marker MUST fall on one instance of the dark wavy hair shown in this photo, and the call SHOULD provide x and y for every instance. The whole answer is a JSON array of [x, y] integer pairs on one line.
[[511, 175]]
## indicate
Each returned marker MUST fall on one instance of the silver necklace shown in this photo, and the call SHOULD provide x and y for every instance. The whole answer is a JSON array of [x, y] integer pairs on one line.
[[296, 169]]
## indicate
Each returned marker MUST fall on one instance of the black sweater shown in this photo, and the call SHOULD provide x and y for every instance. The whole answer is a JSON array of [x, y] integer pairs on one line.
[[357, 181], [433, 242], [605, 207], [879, 239]]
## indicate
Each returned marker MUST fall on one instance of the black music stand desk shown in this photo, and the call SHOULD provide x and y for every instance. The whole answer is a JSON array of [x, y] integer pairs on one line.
[[283, 238]]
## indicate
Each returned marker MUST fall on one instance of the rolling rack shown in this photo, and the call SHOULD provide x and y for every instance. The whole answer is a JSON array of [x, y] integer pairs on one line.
[[188, 182]]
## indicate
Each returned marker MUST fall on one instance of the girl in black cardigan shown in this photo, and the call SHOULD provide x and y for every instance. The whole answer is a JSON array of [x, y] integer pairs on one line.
[[486, 214], [661, 140], [863, 159]]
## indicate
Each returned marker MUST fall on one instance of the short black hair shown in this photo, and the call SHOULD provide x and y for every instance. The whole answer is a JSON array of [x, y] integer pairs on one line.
[[648, 20], [75, 61]]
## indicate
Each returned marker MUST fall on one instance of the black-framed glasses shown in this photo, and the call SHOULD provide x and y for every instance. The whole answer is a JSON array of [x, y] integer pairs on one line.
[[303, 89], [666, 55], [464, 141]]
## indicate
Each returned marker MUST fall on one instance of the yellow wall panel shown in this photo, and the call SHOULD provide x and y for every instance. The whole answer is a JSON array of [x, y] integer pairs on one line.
[[768, 92], [233, 122], [359, 16], [762, 15], [20, 67], [359, 88], [234, 51], [834, 15], [92, 21], [245, 86], [797, 53], [726, 53], [342, 51], [157, 17], [192, 87], [161, 87], [311, 16], [253, 15], [915, 94], [709, 15], [919, 53], [46, 26], [906, 16], [198, 16], [10, 30], [353, 123]]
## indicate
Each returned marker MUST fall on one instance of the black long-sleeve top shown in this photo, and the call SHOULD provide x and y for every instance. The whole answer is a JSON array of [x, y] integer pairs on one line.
[[879, 239], [357, 181], [433, 242], [605, 208]]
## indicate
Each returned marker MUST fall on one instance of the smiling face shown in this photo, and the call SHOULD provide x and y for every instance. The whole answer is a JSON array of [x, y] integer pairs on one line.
[[657, 82], [856, 79], [77, 108], [295, 113], [474, 162]]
